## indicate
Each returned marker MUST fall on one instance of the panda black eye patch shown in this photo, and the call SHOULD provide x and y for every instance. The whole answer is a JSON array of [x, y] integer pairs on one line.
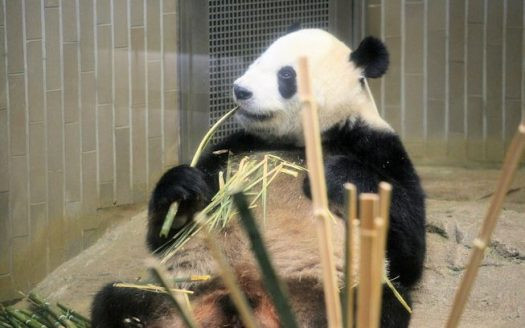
[[286, 81]]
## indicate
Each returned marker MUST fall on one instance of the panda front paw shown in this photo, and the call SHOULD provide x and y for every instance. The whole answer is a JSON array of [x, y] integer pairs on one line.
[[185, 185]]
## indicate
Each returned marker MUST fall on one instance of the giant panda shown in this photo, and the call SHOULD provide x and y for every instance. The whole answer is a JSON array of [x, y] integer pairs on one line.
[[358, 147]]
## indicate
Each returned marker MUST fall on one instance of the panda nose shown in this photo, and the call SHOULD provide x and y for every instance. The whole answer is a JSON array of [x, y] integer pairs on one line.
[[241, 93]]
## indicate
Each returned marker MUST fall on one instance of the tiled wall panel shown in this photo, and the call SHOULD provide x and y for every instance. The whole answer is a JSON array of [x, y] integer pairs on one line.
[[87, 109], [456, 85]]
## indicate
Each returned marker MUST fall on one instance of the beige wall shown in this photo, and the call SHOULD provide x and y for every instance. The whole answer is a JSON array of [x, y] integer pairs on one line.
[[87, 120], [456, 85]]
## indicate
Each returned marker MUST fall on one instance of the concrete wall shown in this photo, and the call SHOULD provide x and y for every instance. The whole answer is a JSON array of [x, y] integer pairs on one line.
[[456, 85], [87, 121]]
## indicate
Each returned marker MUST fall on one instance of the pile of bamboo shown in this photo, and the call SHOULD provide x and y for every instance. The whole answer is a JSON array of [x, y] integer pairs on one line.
[[42, 314]]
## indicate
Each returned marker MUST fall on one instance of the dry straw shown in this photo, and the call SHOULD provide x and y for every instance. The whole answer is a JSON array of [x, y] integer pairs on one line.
[[251, 176]]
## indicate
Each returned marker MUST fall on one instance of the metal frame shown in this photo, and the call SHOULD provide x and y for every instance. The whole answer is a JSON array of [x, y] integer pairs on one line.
[[193, 64], [193, 69]]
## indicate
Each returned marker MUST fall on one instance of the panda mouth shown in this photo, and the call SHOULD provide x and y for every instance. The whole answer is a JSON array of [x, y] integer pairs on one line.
[[255, 116]]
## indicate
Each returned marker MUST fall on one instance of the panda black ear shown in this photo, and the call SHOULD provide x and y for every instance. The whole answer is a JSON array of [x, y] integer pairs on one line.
[[295, 26], [371, 56]]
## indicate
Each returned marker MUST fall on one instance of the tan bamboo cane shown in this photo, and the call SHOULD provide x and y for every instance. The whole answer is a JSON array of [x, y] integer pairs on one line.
[[368, 211], [319, 196], [510, 164], [381, 225], [351, 252]]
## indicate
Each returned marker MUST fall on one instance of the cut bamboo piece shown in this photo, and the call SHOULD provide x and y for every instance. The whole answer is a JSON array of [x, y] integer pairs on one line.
[[186, 316], [368, 206], [350, 253], [314, 158], [510, 164], [228, 277]]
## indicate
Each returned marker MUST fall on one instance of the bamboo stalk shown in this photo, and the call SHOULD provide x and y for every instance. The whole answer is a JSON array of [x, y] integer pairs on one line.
[[228, 277], [350, 253], [276, 289], [73, 312], [368, 204], [510, 164], [186, 316], [26, 320], [381, 224], [174, 207], [50, 310], [314, 159]]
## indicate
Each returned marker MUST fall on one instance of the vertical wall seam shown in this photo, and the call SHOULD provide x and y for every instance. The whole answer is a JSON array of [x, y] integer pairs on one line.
[[146, 93], [504, 73], [130, 103], [162, 116], [113, 123], [402, 68], [484, 81], [26, 110], [61, 60], [8, 114], [425, 71], [447, 70], [79, 104], [383, 82], [95, 60], [465, 68], [46, 134]]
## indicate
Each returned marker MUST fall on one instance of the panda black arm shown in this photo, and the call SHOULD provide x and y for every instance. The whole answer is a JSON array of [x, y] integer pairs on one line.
[[192, 187], [365, 156], [406, 238]]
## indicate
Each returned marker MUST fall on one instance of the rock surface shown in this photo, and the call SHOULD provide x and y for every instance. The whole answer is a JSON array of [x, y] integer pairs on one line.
[[457, 203]]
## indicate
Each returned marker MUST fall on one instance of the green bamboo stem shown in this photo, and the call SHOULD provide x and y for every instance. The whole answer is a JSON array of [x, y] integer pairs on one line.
[[37, 317], [26, 320], [54, 313], [276, 289], [74, 313]]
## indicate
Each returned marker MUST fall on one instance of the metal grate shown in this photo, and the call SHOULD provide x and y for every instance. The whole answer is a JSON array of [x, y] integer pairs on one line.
[[239, 31]]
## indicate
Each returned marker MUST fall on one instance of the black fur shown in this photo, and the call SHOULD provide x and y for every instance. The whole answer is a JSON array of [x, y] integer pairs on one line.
[[191, 190], [286, 80], [352, 153], [117, 307], [371, 56]]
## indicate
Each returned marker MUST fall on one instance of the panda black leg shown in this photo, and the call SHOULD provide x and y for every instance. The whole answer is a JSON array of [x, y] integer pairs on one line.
[[127, 307], [393, 314], [183, 184]]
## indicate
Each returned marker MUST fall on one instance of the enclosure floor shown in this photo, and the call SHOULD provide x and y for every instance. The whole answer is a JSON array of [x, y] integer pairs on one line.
[[457, 202]]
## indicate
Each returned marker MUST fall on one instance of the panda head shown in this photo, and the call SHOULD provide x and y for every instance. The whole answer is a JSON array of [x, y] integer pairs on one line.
[[267, 92]]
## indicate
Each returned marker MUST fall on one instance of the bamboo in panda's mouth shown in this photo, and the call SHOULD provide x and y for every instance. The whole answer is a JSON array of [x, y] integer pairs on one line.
[[255, 116]]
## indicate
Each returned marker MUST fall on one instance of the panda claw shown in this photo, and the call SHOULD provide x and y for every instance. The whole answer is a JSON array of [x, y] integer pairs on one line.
[[133, 322]]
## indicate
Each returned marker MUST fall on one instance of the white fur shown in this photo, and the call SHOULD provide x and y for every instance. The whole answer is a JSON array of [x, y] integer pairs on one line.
[[335, 82]]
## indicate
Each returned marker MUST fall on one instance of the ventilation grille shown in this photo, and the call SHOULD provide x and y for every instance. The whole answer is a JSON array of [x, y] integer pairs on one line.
[[239, 32]]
